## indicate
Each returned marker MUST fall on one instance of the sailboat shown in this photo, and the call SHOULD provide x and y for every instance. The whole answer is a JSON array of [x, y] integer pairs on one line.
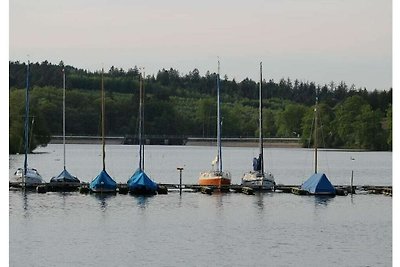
[[216, 177], [103, 183], [139, 183], [64, 179], [27, 177], [318, 183], [257, 178]]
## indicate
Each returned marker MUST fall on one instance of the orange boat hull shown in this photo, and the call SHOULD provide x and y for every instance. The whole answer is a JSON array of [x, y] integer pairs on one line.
[[211, 179], [217, 181]]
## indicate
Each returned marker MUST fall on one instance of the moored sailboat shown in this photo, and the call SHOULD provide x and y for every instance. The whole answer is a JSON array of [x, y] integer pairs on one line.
[[257, 178], [64, 180], [139, 183], [318, 183], [216, 177], [26, 176], [103, 183]]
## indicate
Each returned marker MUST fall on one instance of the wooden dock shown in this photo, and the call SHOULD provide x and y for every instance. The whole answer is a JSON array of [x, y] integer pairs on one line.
[[122, 188]]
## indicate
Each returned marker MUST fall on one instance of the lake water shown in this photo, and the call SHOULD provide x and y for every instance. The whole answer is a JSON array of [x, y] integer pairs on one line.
[[228, 229]]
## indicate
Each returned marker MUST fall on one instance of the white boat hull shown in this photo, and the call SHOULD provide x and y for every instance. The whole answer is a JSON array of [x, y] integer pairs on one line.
[[31, 178], [264, 181]]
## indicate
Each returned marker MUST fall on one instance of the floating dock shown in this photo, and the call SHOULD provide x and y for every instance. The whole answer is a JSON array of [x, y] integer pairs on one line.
[[122, 188]]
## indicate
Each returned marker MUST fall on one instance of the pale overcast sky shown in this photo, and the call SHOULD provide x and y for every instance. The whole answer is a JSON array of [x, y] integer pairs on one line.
[[309, 40]]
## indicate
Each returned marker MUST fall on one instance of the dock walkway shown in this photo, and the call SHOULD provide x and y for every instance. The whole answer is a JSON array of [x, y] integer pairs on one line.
[[122, 188]]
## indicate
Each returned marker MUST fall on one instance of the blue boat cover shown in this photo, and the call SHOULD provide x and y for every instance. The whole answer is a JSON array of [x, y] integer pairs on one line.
[[140, 180], [65, 176], [318, 183], [103, 180]]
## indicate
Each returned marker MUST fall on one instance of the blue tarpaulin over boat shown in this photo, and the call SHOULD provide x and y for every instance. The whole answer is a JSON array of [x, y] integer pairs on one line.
[[64, 176], [140, 182], [103, 181], [318, 183]]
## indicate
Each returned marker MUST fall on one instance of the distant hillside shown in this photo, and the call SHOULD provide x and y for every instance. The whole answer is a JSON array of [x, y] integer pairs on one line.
[[179, 104]]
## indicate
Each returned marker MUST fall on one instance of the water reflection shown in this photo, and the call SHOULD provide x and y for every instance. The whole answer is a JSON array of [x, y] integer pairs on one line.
[[352, 199], [322, 200], [260, 200], [219, 202], [64, 196], [180, 201], [142, 201], [102, 198], [25, 200]]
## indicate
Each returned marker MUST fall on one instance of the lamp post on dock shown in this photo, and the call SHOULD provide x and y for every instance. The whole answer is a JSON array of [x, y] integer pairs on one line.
[[352, 175], [180, 169]]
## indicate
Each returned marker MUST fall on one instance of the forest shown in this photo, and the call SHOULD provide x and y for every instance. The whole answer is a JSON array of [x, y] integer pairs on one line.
[[185, 105]]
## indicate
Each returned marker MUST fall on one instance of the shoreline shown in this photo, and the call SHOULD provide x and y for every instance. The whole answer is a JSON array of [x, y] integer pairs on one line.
[[165, 140]]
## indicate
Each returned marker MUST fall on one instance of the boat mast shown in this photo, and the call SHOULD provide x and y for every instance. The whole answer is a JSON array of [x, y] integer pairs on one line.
[[316, 136], [260, 122], [143, 118], [26, 128], [63, 70], [141, 148], [219, 169], [102, 119]]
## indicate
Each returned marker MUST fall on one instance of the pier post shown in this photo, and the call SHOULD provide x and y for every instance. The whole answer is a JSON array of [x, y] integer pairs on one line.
[[352, 173], [180, 169], [351, 183]]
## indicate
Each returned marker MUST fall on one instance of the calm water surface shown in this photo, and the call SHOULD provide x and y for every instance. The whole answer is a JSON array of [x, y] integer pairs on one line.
[[270, 229]]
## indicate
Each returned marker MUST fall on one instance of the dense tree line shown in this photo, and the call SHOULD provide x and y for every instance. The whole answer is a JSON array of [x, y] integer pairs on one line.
[[185, 105]]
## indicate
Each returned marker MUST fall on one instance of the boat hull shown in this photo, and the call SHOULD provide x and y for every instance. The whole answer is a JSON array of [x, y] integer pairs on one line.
[[217, 179], [264, 181], [63, 186], [32, 177]]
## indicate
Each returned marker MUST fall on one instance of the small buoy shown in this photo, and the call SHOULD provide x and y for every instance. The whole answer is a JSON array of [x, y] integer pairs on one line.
[[84, 189], [123, 190], [206, 190], [298, 191], [224, 189], [162, 190], [247, 190], [41, 189], [341, 192]]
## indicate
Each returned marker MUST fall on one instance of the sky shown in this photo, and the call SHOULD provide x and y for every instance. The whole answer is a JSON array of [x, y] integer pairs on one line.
[[308, 40]]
